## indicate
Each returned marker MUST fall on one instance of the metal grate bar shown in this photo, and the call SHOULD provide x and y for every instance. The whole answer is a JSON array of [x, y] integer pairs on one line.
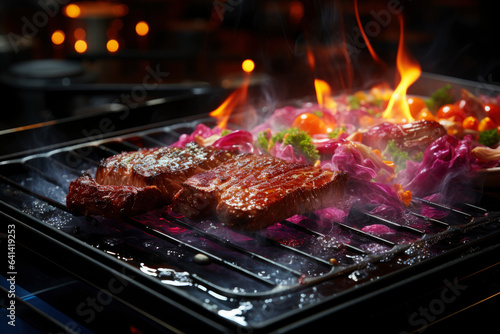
[[444, 207], [47, 163], [432, 220], [233, 246], [475, 207], [83, 157], [367, 235], [390, 223], [153, 141], [195, 249], [318, 234], [289, 248], [108, 150], [33, 193]]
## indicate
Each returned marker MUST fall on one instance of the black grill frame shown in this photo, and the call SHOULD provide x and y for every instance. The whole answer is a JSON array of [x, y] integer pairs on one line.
[[143, 291]]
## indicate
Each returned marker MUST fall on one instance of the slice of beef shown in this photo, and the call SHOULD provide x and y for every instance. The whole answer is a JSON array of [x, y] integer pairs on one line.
[[412, 137], [254, 192], [90, 198], [134, 182], [165, 167]]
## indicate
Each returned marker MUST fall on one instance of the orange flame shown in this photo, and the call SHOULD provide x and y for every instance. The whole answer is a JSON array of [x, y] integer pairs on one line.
[[397, 108], [324, 95], [310, 58], [236, 99], [368, 44]]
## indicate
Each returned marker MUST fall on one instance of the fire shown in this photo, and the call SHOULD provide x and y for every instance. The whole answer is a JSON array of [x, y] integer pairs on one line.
[[310, 59], [409, 70], [365, 38], [235, 99], [324, 95], [323, 90]]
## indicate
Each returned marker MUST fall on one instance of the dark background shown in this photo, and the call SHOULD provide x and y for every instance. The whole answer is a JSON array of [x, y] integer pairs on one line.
[[202, 44]]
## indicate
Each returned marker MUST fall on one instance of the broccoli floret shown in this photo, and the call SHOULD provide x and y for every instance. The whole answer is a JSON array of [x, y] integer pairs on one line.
[[263, 140], [302, 144], [300, 141], [489, 137], [439, 98], [400, 157]]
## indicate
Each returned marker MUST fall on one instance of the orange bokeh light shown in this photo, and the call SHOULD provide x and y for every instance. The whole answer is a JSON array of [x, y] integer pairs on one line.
[[72, 11], [80, 46], [58, 37], [142, 28], [112, 45], [248, 65], [79, 33], [296, 9]]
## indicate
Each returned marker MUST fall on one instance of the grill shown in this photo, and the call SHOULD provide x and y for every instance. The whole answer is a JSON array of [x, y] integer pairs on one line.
[[162, 272]]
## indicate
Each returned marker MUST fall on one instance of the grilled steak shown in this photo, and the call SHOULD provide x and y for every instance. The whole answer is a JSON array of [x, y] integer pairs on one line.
[[133, 182], [253, 192], [412, 137], [90, 198], [165, 167], [245, 191]]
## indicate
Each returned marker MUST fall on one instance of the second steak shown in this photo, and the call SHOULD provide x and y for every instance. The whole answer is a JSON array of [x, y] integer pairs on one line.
[[253, 192]]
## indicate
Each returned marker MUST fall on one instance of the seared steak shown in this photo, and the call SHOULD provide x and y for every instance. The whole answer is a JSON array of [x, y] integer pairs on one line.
[[244, 191], [90, 198], [133, 182], [253, 192], [412, 137], [165, 167]]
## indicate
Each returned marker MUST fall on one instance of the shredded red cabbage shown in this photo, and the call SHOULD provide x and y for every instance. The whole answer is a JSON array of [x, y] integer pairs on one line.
[[239, 140], [382, 196], [285, 152], [446, 161], [201, 130], [354, 158]]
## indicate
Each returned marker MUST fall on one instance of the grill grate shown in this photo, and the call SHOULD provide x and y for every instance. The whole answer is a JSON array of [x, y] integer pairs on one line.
[[290, 257]]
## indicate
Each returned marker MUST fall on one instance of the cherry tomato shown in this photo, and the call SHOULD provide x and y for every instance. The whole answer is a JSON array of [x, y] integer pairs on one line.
[[310, 123], [451, 112], [425, 114], [493, 112], [470, 107], [416, 104], [486, 124], [471, 123]]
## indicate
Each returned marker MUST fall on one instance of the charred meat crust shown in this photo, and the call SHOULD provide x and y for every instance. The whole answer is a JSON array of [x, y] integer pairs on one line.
[[165, 167], [244, 191], [254, 192], [412, 137], [134, 182], [90, 198]]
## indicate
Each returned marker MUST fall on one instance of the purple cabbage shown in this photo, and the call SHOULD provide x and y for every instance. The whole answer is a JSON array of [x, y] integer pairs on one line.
[[201, 130], [446, 162], [382, 196], [239, 140], [354, 158], [285, 152]]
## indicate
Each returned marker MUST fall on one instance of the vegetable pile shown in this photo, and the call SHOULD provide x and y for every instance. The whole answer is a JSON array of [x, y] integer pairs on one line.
[[384, 176]]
